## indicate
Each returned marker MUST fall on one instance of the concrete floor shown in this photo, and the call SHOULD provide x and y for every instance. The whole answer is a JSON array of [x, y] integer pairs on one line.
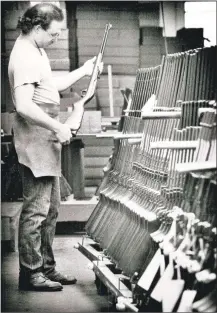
[[81, 297]]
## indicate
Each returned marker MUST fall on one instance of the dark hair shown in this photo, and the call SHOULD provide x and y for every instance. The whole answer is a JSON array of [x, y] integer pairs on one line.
[[40, 14]]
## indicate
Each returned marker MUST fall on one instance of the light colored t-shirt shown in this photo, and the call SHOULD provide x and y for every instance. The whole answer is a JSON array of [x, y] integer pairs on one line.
[[36, 147]]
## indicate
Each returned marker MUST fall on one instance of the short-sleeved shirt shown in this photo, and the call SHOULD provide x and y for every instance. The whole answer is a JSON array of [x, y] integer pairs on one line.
[[36, 147]]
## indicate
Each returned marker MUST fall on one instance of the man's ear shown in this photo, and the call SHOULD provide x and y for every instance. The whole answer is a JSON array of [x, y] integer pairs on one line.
[[37, 28]]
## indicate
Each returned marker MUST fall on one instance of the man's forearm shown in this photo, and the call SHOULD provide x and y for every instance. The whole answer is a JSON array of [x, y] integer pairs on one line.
[[35, 115], [66, 81]]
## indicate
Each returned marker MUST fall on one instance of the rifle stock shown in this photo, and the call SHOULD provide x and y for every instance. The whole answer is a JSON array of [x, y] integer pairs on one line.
[[75, 119]]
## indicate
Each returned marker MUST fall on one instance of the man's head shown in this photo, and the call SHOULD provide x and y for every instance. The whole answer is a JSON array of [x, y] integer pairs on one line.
[[44, 22]]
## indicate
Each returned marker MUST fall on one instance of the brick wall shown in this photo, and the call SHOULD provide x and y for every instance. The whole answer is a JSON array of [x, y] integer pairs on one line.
[[10, 12], [152, 45], [122, 49]]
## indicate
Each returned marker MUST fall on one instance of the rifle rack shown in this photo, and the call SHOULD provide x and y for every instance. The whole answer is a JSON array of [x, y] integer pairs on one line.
[[112, 281]]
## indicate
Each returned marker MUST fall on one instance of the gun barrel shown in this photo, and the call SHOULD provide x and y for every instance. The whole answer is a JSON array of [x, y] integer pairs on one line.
[[107, 28]]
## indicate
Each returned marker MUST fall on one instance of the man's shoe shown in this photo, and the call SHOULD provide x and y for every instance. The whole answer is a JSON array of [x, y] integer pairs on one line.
[[63, 279], [39, 282]]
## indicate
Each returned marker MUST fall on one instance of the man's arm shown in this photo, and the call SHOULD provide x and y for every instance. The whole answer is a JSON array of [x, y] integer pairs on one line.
[[64, 82], [35, 115]]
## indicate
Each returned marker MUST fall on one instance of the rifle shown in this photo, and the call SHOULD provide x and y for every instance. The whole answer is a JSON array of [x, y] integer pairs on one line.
[[74, 120]]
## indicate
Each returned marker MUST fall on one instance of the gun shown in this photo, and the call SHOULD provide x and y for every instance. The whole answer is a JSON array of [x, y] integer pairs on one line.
[[75, 118]]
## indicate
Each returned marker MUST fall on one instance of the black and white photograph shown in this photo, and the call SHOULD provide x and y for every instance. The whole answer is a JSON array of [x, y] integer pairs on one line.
[[108, 156]]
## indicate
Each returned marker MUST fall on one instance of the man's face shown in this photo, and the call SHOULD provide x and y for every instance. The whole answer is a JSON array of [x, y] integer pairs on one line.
[[47, 37]]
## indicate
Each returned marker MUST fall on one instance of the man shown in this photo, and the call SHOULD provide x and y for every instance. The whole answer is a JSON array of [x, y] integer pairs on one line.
[[38, 138]]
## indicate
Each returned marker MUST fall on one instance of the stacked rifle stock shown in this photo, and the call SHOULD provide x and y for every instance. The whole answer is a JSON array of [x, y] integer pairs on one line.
[[156, 218]]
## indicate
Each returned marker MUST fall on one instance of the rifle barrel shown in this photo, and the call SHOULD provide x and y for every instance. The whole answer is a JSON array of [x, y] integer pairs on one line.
[[102, 48]]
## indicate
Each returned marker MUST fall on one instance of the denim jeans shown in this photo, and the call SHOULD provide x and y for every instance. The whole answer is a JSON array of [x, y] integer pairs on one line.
[[41, 200]]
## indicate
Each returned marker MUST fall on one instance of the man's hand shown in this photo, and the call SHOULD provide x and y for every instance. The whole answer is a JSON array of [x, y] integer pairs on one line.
[[64, 134], [101, 67], [89, 66]]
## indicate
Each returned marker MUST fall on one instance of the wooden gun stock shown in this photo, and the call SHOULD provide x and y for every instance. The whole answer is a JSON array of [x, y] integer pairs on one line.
[[74, 120]]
